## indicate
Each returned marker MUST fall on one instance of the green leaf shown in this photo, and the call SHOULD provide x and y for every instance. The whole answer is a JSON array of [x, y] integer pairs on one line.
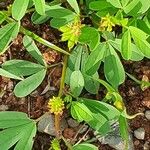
[[57, 23], [12, 119], [142, 25], [105, 84], [136, 53], [90, 36], [7, 34], [91, 85], [123, 127], [108, 111], [145, 6], [21, 133], [29, 84], [115, 3], [139, 38], [39, 19], [74, 5], [8, 74], [94, 59], [99, 5], [59, 12], [84, 146], [126, 45], [75, 58], [33, 49], [133, 7], [113, 68], [76, 83], [52, 11], [21, 67], [124, 2], [2, 17], [40, 6], [81, 112], [18, 10]]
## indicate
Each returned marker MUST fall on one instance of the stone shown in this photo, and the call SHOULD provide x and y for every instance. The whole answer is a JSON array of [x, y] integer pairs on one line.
[[147, 114], [146, 146], [114, 140], [72, 123], [3, 107], [139, 133], [46, 124]]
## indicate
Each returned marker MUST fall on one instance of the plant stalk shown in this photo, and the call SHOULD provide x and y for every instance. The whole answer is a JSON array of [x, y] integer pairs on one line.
[[42, 41], [62, 82]]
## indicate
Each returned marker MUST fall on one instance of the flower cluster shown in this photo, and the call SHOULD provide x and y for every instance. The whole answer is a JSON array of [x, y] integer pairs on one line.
[[56, 105], [106, 23], [71, 32]]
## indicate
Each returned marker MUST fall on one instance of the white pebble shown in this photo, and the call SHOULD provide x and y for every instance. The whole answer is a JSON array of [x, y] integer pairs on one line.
[[147, 114], [139, 133]]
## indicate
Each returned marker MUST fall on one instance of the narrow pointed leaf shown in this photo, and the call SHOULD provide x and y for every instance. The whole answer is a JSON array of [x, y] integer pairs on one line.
[[29, 84], [19, 9], [126, 45], [7, 34], [93, 62], [40, 6], [8, 74], [74, 5], [113, 68], [33, 49], [140, 40], [21, 67]]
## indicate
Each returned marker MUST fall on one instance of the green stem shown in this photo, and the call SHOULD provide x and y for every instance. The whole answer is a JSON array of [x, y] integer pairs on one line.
[[42, 41], [54, 65], [30, 10], [67, 143], [62, 82], [38, 38]]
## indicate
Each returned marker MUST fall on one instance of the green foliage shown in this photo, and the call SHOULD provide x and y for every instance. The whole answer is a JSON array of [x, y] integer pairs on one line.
[[16, 129], [7, 34], [84, 146], [91, 111], [18, 11], [99, 34]]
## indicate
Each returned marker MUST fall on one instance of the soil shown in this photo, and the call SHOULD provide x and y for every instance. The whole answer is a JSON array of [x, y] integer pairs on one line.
[[35, 104]]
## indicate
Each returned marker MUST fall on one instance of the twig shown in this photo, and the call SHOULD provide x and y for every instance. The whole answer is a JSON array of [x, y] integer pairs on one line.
[[83, 137], [78, 132]]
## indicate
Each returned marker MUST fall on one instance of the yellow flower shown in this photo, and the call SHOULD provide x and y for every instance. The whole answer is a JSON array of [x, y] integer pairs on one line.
[[56, 105], [106, 23], [71, 32]]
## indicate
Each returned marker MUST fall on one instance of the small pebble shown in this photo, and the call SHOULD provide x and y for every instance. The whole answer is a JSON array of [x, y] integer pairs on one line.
[[72, 123], [139, 133], [3, 107], [147, 114], [146, 145], [136, 143]]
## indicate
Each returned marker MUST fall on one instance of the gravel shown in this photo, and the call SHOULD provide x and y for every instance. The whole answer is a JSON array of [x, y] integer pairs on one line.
[[114, 140], [139, 133], [46, 124], [147, 114]]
